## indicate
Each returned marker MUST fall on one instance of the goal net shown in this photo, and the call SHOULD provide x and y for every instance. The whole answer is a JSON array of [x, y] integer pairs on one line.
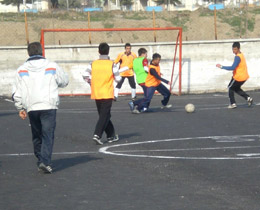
[[74, 49]]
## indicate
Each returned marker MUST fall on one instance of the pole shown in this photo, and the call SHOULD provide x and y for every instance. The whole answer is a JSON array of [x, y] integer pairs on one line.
[[215, 22], [67, 1], [246, 22], [89, 33], [42, 43], [174, 59], [154, 25], [26, 28], [180, 62]]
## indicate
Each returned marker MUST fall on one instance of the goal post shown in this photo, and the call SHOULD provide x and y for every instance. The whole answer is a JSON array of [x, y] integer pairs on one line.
[[177, 43]]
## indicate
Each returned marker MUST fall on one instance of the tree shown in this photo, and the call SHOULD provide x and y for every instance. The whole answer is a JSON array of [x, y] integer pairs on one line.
[[167, 2], [54, 4], [14, 2], [69, 4], [126, 2]]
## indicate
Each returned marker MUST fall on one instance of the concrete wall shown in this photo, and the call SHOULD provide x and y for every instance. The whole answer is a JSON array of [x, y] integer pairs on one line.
[[199, 74]]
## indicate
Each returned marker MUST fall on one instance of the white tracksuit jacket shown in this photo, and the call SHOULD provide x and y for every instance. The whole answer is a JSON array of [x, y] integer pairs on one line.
[[36, 84]]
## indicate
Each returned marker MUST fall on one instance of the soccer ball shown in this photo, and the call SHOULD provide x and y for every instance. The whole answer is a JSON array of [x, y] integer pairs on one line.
[[190, 108]]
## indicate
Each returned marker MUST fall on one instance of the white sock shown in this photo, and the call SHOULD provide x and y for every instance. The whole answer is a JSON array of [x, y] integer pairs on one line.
[[133, 91], [116, 91]]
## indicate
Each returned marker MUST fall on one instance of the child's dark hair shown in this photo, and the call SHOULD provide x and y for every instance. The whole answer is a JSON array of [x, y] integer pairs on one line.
[[236, 44], [127, 45], [142, 51], [34, 48], [103, 48], [156, 55]]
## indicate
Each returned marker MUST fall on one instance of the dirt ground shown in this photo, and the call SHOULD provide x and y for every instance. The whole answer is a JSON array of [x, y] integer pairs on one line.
[[197, 25]]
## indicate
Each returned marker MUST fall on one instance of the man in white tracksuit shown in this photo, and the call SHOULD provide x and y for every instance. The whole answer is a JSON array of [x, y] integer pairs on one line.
[[36, 93]]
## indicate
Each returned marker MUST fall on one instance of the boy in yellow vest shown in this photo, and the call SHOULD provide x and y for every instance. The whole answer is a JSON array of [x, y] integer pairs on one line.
[[103, 72], [153, 83], [240, 75], [126, 61]]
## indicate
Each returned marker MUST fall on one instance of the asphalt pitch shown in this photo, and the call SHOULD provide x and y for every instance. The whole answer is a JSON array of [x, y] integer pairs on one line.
[[165, 159]]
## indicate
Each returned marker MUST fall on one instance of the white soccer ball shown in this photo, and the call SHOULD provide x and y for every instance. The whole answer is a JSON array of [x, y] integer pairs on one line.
[[190, 108]]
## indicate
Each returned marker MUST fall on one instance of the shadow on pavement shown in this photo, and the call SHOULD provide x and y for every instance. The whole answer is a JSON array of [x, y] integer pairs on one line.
[[125, 136], [64, 163]]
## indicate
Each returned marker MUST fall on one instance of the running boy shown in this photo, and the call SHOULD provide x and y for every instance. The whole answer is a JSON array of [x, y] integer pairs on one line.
[[103, 72], [153, 83], [126, 61], [240, 75]]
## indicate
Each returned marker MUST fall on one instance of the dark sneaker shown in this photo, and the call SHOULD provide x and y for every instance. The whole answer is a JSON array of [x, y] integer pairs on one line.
[[133, 99], [131, 105], [45, 169], [113, 139], [96, 139], [115, 98], [249, 101]]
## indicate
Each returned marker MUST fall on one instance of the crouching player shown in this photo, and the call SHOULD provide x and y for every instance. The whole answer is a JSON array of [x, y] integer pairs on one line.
[[153, 83], [103, 72]]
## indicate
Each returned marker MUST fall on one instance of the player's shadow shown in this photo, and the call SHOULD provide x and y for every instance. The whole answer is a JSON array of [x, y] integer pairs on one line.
[[64, 163], [158, 109], [128, 135]]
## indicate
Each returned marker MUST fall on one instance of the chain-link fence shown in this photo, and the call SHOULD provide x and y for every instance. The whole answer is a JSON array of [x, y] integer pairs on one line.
[[231, 23]]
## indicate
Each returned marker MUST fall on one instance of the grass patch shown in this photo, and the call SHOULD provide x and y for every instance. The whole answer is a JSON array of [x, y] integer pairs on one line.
[[108, 25], [206, 13], [180, 20], [237, 20], [135, 37], [101, 16], [135, 16]]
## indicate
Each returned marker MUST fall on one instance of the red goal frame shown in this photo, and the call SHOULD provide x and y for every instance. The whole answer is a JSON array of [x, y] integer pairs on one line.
[[177, 44]]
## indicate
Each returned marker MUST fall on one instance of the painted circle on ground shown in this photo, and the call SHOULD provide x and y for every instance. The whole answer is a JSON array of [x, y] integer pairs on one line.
[[193, 148]]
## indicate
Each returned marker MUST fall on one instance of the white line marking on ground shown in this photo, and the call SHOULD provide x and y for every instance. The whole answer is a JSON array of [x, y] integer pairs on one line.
[[249, 154], [55, 153], [119, 153], [190, 149], [219, 95]]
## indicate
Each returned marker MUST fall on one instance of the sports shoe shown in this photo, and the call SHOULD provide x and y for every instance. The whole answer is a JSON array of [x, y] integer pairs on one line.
[[249, 101], [96, 139], [45, 169], [133, 99], [115, 98], [144, 109], [166, 107], [131, 105], [113, 139], [232, 106], [135, 110]]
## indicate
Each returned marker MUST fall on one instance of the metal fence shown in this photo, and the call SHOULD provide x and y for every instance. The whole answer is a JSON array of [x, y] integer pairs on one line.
[[18, 30]]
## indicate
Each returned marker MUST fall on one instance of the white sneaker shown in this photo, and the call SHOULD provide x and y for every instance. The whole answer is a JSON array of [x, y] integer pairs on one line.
[[46, 169], [249, 101], [113, 139], [232, 106], [96, 139], [166, 107]]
